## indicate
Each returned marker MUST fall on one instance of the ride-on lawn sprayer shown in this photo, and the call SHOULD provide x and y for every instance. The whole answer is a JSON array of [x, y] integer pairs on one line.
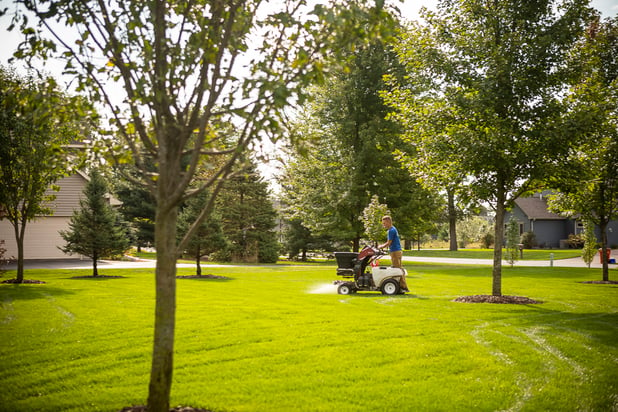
[[367, 273]]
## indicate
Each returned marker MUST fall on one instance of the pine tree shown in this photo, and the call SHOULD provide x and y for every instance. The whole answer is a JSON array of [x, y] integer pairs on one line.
[[94, 229], [209, 236], [249, 218]]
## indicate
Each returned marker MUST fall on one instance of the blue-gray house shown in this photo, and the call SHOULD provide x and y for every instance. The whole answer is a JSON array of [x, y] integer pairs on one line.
[[551, 230]]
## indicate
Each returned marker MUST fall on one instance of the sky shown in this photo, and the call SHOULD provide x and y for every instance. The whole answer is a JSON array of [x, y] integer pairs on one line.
[[409, 10]]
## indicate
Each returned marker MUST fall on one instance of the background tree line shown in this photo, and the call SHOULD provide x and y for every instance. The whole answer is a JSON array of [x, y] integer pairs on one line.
[[239, 229]]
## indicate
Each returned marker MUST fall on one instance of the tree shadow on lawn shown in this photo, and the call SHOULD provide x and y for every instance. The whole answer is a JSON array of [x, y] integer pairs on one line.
[[98, 277], [378, 295], [205, 277], [601, 327], [30, 292]]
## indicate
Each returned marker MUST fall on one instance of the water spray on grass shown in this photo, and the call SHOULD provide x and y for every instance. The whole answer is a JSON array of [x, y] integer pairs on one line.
[[323, 289]]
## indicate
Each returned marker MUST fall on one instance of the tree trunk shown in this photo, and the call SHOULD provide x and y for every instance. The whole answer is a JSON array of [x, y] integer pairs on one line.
[[452, 221], [165, 311], [198, 267], [499, 234], [20, 231], [603, 226], [95, 270]]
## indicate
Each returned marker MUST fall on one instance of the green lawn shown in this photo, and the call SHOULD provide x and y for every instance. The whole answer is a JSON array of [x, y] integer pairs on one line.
[[279, 339], [529, 254]]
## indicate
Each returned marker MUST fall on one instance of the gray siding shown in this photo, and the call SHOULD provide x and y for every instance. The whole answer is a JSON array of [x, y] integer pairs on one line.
[[42, 239], [548, 233], [67, 199]]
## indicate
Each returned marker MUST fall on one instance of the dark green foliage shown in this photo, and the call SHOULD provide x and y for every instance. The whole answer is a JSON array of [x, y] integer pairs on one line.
[[299, 239], [94, 229], [208, 238], [138, 208], [249, 218]]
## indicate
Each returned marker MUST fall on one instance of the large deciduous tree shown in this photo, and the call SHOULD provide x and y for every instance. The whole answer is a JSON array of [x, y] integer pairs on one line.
[[483, 92], [37, 121], [179, 68], [588, 183]]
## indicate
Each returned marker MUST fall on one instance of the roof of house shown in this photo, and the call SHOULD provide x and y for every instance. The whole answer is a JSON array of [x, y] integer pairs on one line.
[[535, 208]]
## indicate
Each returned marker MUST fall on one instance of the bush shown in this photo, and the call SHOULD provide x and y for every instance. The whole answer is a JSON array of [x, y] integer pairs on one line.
[[3, 260], [576, 241], [222, 255], [269, 252], [528, 239], [487, 240]]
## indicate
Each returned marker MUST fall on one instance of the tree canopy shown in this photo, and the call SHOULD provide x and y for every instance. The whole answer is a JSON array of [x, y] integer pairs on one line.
[[37, 122], [588, 182], [482, 96]]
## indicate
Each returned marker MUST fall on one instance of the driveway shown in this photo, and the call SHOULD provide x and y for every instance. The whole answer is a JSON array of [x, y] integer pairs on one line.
[[572, 262]]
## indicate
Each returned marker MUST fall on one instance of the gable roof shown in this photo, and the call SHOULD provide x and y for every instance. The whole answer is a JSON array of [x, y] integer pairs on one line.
[[535, 208]]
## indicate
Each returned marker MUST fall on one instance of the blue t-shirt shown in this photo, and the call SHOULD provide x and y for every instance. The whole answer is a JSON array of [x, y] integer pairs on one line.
[[393, 236]]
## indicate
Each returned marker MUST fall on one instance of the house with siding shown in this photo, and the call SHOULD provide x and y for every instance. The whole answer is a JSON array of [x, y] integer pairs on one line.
[[550, 229], [42, 239]]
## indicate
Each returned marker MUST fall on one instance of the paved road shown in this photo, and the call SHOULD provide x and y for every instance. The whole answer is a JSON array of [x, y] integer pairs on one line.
[[103, 264], [87, 264], [573, 262]]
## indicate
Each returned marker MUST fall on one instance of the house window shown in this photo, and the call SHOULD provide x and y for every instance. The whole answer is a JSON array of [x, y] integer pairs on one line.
[[579, 227], [521, 228]]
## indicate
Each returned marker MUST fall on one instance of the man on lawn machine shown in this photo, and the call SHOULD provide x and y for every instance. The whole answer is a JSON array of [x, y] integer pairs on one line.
[[353, 265]]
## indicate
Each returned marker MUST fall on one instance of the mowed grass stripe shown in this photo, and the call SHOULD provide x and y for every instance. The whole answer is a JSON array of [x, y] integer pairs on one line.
[[263, 340]]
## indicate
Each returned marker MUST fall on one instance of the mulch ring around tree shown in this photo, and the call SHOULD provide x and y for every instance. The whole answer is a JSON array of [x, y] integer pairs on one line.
[[34, 281], [142, 408], [602, 282], [201, 277], [518, 300]]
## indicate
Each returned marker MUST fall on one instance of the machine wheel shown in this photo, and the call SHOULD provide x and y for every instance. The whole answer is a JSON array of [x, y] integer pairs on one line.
[[344, 289], [390, 287]]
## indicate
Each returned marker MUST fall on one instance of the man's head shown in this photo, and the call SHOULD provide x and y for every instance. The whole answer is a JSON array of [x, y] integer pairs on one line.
[[387, 222]]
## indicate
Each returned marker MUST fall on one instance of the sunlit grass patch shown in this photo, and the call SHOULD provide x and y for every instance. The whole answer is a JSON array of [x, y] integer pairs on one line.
[[279, 338]]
